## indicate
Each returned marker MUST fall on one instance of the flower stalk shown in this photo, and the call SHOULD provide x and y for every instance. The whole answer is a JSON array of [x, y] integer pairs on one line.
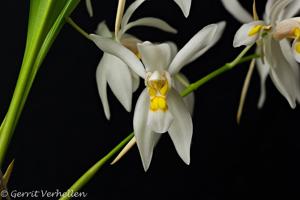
[[93, 170], [228, 66]]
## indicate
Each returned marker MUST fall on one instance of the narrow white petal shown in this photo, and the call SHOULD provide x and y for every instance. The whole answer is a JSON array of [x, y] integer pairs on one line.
[[214, 39], [282, 73], [296, 50], [160, 121], [200, 41], [155, 56], [277, 11], [89, 7], [151, 22], [173, 48], [243, 36], [120, 81], [130, 10], [102, 83], [263, 71], [112, 47], [146, 139], [185, 6], [189, 100], [135, 81], [267, 14], [181, 130], [237, 11], [103, 30], [292, 9]]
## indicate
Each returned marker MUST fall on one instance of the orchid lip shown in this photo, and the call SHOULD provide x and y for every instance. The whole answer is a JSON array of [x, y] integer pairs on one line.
[[158, 85]]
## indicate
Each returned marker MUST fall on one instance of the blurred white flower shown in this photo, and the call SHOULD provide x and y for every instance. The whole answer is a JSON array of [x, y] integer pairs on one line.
[[89, 7], [185, 6], [160, 108], [276, 56], [122, 81], [290, 29]]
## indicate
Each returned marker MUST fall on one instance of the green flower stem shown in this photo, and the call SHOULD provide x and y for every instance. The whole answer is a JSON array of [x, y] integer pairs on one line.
[[93, 170], [194, 86], [228, 66], [77, 28]]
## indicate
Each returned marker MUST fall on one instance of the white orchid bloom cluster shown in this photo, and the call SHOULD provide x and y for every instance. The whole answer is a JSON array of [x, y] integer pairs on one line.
[[277, 58], [160, 108]]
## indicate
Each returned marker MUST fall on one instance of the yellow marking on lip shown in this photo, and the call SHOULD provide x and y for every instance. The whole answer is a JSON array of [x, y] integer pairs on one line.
[[296, 33], [158, 103], [254, 30], [297, 47], [158, 90]]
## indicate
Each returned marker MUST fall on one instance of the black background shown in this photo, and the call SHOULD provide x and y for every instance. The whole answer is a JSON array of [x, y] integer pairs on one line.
[[63, 130]]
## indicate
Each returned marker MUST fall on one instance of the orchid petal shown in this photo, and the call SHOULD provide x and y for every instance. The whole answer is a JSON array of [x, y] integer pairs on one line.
[[244, 35], [237, 11], [120, 81], [189, 100], [263, 71], [277, 11], [159, 121], [287, 51], [286, 28], [102, 83], [181, 130], [89, 7], [214, 39], [296, 50], [112, 47], [155, 57], [130, 10], [282, 73], [173, 48], [268, 9], [292, 9], [185, 6], [146, 139], [151, 22], [200, 41], [135, 81], [103, 30]]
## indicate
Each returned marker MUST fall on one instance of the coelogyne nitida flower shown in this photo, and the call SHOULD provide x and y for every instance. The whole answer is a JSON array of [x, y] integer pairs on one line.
[[276, 56], [160, 108], [122, 81]]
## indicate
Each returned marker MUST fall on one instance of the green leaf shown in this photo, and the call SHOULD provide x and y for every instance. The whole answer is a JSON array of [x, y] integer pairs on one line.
[[46, 18]]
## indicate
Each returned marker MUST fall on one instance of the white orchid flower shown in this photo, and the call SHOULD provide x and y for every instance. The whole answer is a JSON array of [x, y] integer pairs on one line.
[[276, 56], [160, 108], [121, 79], [185, 6]]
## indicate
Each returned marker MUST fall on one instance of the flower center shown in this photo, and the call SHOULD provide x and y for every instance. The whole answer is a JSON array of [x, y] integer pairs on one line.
[[257, 29], [158, 86]]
